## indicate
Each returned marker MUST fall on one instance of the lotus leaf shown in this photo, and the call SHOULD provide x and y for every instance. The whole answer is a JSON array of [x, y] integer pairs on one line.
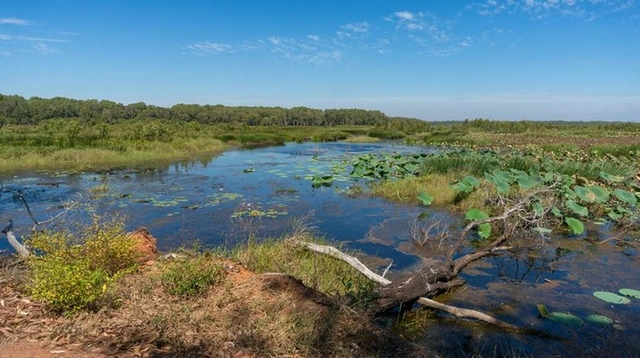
[[602, 194], [476, 214], [630, 292], [425, 198], [599, 319], [484, 230], [471, 181], [502, 185], [614, 215], [611, 178], [576, 226], [569, 193], [566, 318], [626, 196], [459, 187], [585, 194], [611, 297], [556, 212], [577, 208], [325, 180], [542, 309], [502, 175]]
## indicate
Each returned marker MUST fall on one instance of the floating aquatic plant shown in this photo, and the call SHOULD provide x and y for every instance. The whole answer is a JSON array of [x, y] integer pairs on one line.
[[611, 297]]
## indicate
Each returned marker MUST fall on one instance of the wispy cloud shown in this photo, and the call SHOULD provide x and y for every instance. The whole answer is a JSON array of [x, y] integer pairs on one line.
[[43, 48], [207, 48], [310, 50], [360, 27], [67, 33], [15, 21], [39, 39], [354, 31], [430, 32], [586, 9], [4, 37], [408, 20]]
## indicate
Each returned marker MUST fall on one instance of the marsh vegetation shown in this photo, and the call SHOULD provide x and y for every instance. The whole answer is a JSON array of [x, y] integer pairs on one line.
[[538, 205]]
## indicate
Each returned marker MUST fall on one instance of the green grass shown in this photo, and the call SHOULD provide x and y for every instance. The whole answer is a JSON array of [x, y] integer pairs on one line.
[[321, 272], [75, 145]]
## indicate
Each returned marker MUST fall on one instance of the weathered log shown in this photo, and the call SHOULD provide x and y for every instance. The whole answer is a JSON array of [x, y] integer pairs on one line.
[[20, 249], [426, 281], [383, 303]]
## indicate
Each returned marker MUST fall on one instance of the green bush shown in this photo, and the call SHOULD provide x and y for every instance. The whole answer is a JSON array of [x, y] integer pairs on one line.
[[192, 277], [72, 272]]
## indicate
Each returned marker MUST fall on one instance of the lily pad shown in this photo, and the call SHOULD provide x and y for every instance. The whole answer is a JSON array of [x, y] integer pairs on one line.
[[576, 226], [566, 318], [577, 208], [560, 317], [611, 178], [476, 215], [425, 198], [630, 292], [599, 319], [611, 297], [626, 196], [542, 309]]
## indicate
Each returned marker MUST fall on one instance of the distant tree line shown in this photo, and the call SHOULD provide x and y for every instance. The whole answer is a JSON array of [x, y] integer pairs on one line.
[[16, 109]]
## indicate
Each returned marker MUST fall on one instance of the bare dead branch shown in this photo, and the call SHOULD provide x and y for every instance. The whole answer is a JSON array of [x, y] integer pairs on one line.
[[435, 234], [436, 286], [517, 207], [468, 313], [333, 252]]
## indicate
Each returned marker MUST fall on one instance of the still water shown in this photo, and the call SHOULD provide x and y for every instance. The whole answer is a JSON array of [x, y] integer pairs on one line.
[[220, 201]]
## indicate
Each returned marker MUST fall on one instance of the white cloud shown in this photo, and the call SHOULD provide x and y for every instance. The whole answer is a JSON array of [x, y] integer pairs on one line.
[[207, 47], [67, 33], [313, 37], [360, 27], [43, 48], [408, 20], [586, 9], [4, 37], [404, 15], [39, 39], [15, 21]]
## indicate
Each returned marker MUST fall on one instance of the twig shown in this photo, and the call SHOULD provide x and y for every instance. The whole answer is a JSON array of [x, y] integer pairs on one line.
[[387, 269], [505, 215]]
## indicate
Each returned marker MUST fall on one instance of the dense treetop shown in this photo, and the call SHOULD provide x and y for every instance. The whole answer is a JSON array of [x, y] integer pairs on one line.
[[19, 110]]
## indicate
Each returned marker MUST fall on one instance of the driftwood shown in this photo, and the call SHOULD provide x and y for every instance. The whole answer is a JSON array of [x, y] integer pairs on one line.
[[427, 281], [13, 241], [8, 231]]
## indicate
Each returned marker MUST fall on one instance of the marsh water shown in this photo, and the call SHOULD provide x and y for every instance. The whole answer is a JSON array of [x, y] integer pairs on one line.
[[221, 201]]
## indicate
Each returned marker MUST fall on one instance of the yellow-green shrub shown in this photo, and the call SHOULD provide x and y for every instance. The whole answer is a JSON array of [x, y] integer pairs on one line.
[[71, 272]]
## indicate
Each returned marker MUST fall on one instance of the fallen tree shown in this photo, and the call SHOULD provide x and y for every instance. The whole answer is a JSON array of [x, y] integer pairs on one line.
[[427, 282]]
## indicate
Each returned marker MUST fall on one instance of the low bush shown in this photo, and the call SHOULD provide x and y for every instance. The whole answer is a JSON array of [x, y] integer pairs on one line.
[[192, 277], [72, 272]]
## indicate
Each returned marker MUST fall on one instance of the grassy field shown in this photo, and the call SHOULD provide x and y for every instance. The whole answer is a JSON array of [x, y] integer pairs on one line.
[[72, 145]]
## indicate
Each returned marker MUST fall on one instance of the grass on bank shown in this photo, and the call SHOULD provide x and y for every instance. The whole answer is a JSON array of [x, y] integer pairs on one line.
[[201, 303], [74, 145]]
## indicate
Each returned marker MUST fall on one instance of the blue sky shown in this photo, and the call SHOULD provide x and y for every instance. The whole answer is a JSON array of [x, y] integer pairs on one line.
[[434, 60]]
